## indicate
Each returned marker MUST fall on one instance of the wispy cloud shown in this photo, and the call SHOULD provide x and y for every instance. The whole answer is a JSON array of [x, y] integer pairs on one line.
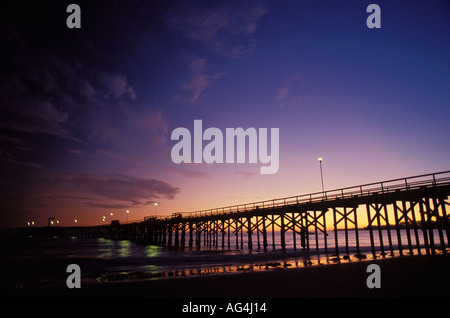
[[80, 153], [199, 77], [290, 92], [224, 29]]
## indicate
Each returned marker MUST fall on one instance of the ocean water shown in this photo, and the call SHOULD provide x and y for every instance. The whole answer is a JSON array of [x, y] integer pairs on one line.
[[42, 261]]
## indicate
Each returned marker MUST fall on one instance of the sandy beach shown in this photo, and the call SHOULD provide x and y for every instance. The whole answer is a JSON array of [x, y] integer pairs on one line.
[[407, 276]]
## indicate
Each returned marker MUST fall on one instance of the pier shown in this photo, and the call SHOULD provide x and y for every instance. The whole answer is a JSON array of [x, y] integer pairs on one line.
[[403, 216]]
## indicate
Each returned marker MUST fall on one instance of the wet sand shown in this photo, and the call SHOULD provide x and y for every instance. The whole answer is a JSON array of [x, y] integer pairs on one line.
[[407, 276]]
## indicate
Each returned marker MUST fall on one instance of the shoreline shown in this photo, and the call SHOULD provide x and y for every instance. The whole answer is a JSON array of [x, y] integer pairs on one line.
[[401, 276]]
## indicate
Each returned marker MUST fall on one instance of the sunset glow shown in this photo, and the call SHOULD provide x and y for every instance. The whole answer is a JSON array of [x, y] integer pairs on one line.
[[88, 114]]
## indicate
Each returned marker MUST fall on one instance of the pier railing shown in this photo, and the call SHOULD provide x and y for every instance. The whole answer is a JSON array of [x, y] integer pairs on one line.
[[400, 184]]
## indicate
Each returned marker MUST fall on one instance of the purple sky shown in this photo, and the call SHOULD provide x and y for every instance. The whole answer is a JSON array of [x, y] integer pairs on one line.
[[87, 114]]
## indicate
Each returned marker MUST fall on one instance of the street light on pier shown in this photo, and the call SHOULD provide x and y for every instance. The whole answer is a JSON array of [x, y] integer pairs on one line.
[[156, 204], [321, 174], [128, 212]]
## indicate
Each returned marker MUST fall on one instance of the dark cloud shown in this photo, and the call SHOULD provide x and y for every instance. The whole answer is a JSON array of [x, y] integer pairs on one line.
[[39, 188], [123, 188]]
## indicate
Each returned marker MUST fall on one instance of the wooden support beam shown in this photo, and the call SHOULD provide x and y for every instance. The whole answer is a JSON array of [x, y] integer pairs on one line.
[[427, 236], [336, 243], [264, 231], [273, 231], [282, 233], [388, 229], [191, 233], [293, 222], [249, 233], [372, 244], [397, 229]]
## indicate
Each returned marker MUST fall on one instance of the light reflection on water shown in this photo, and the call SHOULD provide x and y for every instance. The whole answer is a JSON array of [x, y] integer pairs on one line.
[[100, 259]]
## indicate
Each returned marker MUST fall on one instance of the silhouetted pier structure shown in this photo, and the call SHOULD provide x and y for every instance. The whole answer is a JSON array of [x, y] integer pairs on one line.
[[416, 205]]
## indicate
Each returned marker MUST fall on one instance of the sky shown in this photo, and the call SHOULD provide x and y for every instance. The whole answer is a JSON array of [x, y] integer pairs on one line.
[[87, 113]]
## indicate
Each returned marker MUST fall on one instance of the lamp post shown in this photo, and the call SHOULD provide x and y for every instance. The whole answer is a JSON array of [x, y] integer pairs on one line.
[[321, 174], [156, 204], [128, 212]]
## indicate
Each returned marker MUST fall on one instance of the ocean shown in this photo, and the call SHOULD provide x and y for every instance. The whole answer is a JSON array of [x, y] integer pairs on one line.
[[42, 261]]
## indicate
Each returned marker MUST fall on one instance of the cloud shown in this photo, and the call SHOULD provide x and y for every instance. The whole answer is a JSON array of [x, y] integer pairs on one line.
[[290, 94], [224, 29], [42, 96], [135, 191], [199, 78], [57, 95], [40, 188], [146, 121], [80, 153], [117, 86], [46, 95]]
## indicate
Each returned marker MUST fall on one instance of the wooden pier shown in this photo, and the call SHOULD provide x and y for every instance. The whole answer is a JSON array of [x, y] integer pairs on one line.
[[414, 205]]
